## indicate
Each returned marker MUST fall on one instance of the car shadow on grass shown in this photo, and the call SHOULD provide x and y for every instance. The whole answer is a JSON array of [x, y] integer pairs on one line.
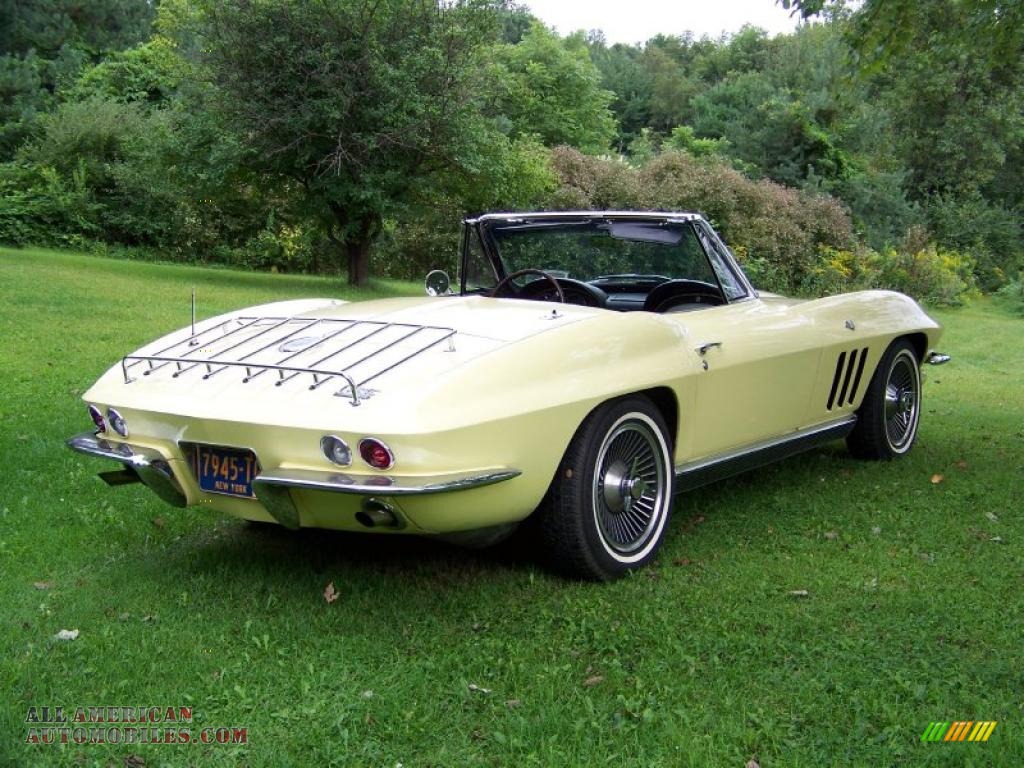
[[280, 554], [234, 544], [222, 561]]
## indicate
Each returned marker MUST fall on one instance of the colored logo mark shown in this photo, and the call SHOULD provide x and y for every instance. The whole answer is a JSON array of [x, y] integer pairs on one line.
[[961, 730]]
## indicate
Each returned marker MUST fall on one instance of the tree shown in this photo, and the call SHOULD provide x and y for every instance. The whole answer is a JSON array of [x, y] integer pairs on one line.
[[884, 29], [44, 42], [359, 101], [624, 74], [548, 86]]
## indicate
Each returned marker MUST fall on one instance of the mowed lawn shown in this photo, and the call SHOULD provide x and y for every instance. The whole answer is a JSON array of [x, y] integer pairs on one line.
[[908, 575]]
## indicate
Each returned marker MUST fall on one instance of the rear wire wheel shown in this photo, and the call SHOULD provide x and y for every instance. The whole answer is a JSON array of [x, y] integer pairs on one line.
[[608, 506], [888, 418]]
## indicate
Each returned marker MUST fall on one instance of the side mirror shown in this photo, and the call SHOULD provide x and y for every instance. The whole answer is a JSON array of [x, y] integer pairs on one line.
[[438, 283]]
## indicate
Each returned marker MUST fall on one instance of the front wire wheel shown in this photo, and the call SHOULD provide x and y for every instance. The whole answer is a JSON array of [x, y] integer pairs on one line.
[[607, 508], [889, 416]]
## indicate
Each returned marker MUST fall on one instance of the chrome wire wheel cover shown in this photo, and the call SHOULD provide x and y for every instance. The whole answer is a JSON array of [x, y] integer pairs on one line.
[[902, 401], [631, 487]]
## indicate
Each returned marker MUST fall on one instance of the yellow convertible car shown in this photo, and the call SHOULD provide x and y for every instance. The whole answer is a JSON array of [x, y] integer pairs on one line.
[[587, 366]]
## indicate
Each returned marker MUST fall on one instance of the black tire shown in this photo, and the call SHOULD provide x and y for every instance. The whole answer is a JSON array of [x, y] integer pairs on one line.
[[610, 501], [889, 416]]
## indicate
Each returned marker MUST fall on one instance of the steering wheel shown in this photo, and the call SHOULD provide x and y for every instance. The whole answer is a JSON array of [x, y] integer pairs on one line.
[[673, 293], [574, 292], [504, 282]]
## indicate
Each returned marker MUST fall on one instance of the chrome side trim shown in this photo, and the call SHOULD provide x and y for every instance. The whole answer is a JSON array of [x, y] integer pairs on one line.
[[937, 358], [704, 471], [150, 465]]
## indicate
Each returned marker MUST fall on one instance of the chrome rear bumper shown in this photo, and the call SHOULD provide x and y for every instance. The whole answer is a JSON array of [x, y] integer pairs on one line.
[[148, 465], [273, 487]]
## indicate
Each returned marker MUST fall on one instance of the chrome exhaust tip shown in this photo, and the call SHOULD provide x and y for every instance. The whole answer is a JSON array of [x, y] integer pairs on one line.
[[377, 514]]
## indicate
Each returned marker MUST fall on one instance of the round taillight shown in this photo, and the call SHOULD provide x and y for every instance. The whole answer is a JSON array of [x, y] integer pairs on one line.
[[375, 453], [117, 423], [336, 450], [97, 418]]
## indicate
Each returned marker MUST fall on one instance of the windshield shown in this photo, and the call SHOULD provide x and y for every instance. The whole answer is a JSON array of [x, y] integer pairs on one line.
[[603, 252]]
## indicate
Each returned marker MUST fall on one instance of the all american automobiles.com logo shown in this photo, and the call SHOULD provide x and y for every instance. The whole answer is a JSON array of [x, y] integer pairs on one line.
[[124, 725]]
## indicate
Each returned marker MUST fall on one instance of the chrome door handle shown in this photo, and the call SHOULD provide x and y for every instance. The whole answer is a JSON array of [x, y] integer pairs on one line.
[[702, 349]]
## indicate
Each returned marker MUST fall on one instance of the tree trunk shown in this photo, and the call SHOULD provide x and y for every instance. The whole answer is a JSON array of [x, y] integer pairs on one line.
[[356, 237], [358, 251]]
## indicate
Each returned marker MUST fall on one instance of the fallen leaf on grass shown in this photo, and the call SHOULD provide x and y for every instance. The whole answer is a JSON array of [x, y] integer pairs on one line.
[[997, 539], [593, 680], [799, 593], [66, 634], [752, 763], [42, 584], [992, 517], [831, 535], [134, 761], [961, 464], [478, 689], [367, 694], [330, 593], [936, 479], [681, 561], [159, 522], [876, 529]]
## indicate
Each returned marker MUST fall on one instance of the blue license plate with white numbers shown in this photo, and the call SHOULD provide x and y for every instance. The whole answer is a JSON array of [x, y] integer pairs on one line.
[[228, 471]]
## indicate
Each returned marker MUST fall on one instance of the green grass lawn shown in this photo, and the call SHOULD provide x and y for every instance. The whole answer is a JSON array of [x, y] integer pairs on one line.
[[434, 656]]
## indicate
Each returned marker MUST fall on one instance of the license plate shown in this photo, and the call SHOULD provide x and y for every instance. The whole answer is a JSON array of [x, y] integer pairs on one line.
[[226, 470]]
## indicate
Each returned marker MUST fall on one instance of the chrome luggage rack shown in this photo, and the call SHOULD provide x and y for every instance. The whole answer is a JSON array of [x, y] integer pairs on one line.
[[254, 343]]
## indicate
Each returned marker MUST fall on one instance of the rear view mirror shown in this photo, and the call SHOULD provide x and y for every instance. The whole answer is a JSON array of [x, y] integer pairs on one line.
[[438, 283]]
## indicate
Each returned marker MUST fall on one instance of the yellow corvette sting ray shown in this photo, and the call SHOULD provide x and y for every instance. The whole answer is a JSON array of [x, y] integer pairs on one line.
[[588, 366]]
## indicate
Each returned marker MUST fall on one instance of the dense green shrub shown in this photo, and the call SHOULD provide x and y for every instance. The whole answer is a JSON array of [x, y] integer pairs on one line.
[[990, 233], [772, 229], [787, 240], [41, 206], [411, 247], [929, 274], [1012, 296], [123, 173]]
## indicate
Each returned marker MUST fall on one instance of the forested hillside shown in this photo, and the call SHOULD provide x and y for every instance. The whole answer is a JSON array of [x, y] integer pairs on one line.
[[880, 146]]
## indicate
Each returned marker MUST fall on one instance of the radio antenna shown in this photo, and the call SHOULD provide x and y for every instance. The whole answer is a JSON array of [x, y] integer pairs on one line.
[[193, 340]]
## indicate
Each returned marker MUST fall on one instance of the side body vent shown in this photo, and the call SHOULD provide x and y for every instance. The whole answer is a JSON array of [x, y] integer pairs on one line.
[[846, 380]]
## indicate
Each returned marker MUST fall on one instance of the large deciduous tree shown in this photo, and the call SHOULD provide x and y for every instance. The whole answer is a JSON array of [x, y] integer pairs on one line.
[[548, 86], [360, 101], [43, 43]]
